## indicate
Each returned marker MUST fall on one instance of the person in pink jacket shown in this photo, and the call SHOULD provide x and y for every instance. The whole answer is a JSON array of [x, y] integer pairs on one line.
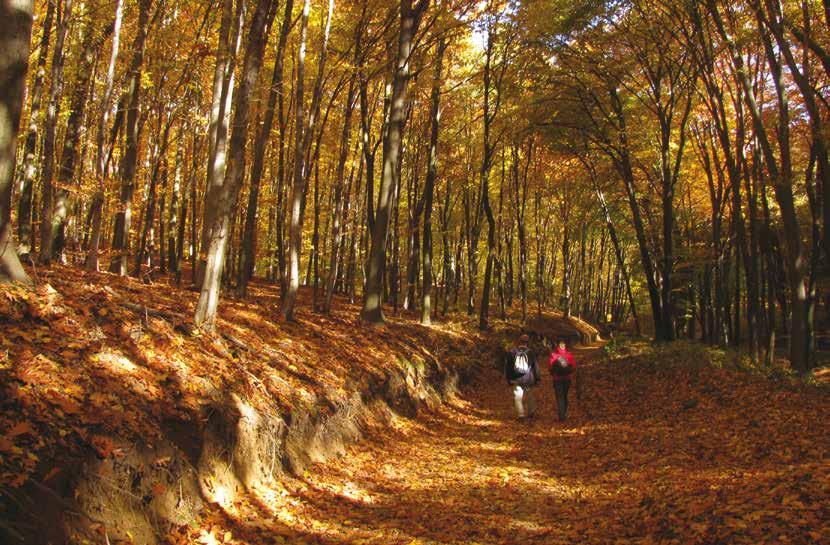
[[562, 366]]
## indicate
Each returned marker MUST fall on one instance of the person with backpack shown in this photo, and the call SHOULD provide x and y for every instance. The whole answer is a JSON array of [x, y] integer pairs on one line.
[[522, 372], [562, 366]]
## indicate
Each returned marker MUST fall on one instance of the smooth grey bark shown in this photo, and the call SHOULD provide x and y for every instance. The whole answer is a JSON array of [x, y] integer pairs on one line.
[[25, 239], [225, 199], [102, 151], [298, 185], [16, 21], [302, 142], [129, 164], [227, 51]]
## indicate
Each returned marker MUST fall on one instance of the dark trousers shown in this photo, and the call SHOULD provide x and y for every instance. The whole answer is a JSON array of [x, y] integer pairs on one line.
[[560, 388]]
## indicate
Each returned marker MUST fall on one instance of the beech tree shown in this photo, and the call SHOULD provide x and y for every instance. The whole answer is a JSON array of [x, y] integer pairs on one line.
[[649, 165], [16, 19]]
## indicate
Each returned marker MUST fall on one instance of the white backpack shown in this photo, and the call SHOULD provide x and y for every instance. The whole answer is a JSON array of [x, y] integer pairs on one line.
[[521, 364]]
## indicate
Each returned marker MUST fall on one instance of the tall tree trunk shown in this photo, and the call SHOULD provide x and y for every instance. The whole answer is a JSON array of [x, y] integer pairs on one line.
[[626, 171], [227, 51], [226, 198], [302, 142], [491, 110], [171, 255], [56, 239], [129, 164], [615, 241], [96, 211], [16, 20], [373, 294], [336, 233], [24, 210], [48, 153], [249, 241], [429, 186]]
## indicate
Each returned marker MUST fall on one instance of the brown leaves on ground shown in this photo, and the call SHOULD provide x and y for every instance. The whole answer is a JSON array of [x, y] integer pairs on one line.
[[86, 357], [663, 447], [666, 445]]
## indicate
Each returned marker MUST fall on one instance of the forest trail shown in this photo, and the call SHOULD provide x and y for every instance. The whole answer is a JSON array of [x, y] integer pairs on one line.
[[669, 453]]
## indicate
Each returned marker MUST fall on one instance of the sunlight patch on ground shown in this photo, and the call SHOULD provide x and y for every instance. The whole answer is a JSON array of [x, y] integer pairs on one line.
[[116, 362]]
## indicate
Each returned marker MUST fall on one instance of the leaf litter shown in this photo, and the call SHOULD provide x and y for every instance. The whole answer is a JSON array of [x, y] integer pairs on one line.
[[665, 444]]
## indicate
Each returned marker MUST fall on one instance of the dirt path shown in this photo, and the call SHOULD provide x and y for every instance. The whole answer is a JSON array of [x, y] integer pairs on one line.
[[645, 457]]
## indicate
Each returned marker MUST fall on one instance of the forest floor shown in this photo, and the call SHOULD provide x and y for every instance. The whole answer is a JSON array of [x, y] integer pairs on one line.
[[665, 445]]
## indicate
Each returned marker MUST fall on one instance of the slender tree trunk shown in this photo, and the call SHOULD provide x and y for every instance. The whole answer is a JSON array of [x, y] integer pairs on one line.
[[373, 296], [227, 50], [226, 199], [24, 211], [302, 141], [615, 241], [298, 185], [623, 164], [129, 164], [337, 234], [56, 235], [48, 153], [429, 187], [96, 211], [249, 243]]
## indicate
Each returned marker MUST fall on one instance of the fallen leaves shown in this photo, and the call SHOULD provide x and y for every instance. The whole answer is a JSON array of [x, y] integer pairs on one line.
[[663, 447]]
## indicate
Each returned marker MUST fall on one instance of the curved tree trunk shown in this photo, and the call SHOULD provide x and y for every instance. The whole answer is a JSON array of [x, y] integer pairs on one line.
[[102, 151]]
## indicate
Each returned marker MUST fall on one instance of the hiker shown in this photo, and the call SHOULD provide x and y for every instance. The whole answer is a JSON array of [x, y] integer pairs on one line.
[[563, 368], [522, 373]]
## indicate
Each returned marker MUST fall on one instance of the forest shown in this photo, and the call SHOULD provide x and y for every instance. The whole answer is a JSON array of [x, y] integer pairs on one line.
[[298, 209]]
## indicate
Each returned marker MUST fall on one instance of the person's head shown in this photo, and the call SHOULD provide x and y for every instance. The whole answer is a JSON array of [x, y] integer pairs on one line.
[[561, 343], [524, 338]]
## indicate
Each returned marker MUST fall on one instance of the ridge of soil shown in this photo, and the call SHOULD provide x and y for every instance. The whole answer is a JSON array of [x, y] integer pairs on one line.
[[665, 446]]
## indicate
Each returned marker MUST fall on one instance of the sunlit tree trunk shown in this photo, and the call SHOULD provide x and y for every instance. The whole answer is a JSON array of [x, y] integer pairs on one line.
[[227, 51], [226, 199], [129, 164], [102, 150], [429, 186], [24, 208], [302, 141]]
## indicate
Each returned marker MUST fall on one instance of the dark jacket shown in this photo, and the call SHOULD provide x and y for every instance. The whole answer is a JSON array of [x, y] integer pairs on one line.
[[514, 377]]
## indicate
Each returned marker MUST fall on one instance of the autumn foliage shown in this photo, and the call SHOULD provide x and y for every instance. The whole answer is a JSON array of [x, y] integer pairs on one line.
[[666, 445]]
